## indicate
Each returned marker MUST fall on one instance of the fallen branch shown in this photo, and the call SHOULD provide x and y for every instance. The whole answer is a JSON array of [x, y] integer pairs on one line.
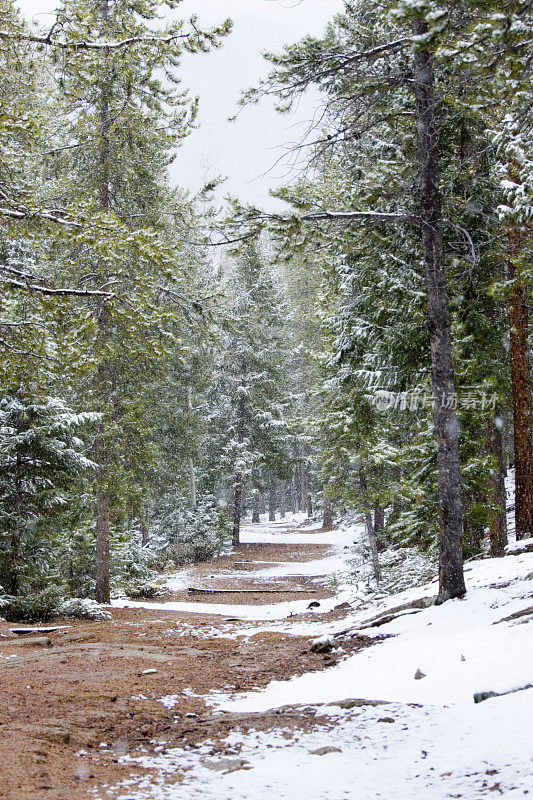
[[526, 612], [479, 697], [24, 631], [385, 618]]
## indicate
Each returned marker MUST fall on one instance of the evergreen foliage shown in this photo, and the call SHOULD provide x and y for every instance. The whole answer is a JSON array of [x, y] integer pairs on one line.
[[297, 370]]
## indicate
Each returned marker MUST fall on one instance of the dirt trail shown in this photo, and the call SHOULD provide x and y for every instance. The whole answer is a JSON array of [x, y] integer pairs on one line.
[[70, 710]]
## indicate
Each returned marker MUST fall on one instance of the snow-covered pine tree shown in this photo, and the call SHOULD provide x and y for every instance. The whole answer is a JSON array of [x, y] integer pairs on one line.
[[124, 115], [378, 71], [41, 460], [249, 394]]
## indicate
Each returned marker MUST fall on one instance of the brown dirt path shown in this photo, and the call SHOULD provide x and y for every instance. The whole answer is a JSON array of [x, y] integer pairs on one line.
[[68, 711]]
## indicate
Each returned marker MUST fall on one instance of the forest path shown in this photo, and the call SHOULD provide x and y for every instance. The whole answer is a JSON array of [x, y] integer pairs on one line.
[[277, 566], [100, 693]]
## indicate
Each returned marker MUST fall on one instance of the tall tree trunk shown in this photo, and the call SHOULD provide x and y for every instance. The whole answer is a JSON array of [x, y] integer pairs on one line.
[[309, 498], [102, 376], [327, 514], [521, 390], [237, 511], [102, 547], [303, 487], [283, 499], [498, 524], [103, 531], [297, 489], [451, 576], [272, 502], [192, 474], [293, 505], [14, 556], [145, 534], [371, 533], [145, 530], [14, 585], [255, 508], [306, 499], [238, 482], [256, 483], [379, 526]]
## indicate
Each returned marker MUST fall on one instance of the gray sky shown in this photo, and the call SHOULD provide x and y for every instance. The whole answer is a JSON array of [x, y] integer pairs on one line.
[[246, 149]]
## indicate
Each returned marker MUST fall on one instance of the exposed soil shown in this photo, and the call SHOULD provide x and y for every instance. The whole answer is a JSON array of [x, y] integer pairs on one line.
[[60, 704]]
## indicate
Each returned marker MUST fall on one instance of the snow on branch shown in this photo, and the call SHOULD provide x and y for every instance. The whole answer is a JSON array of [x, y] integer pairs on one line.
[[51, 39], [47, 290], [50, 214], [361, 216]]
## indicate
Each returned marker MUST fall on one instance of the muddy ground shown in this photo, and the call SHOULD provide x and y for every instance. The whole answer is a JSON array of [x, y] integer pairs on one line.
[[71, 708]]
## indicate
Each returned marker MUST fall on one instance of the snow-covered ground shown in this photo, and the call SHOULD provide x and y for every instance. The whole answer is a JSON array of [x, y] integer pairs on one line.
[[429, 740], [270, 533], [391, 752]]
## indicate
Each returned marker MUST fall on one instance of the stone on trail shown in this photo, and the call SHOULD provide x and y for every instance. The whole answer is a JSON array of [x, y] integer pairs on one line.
[[324, 644], [227, 765], [419, 675], [323, 751]]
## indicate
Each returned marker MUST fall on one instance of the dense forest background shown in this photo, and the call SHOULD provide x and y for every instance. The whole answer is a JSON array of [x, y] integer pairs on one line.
[[169, 367]]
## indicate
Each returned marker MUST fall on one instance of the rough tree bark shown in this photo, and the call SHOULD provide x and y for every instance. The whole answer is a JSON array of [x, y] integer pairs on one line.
[[192, 474], [272, 502], [303, 487], [14, 583], [256, 495], [103, 381], [370, 530], [102, 376], [327, 514], [237, 510], [102, 548], [292, 497], [451, 577], [238, 480], [255, 508], [283, 499], [521, 391], [498, 525], [379, 518], [309, 498]]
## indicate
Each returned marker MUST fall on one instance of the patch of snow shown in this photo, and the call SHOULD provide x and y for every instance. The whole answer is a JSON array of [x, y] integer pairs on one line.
[[269, 534], [429, 740], [393, 752], [271, 611]]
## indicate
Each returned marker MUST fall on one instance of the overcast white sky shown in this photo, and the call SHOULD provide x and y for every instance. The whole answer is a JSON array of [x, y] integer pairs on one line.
[[246, 149]]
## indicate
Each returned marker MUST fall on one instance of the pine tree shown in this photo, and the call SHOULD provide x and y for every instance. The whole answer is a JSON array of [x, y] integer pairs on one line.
[[125, 122], [250, 398], [378, 70], [41, 460]]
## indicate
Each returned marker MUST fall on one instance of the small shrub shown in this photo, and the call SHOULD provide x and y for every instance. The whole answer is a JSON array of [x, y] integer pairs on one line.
[[38, 607], [183, 536], [138, 590], [83, 608]]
